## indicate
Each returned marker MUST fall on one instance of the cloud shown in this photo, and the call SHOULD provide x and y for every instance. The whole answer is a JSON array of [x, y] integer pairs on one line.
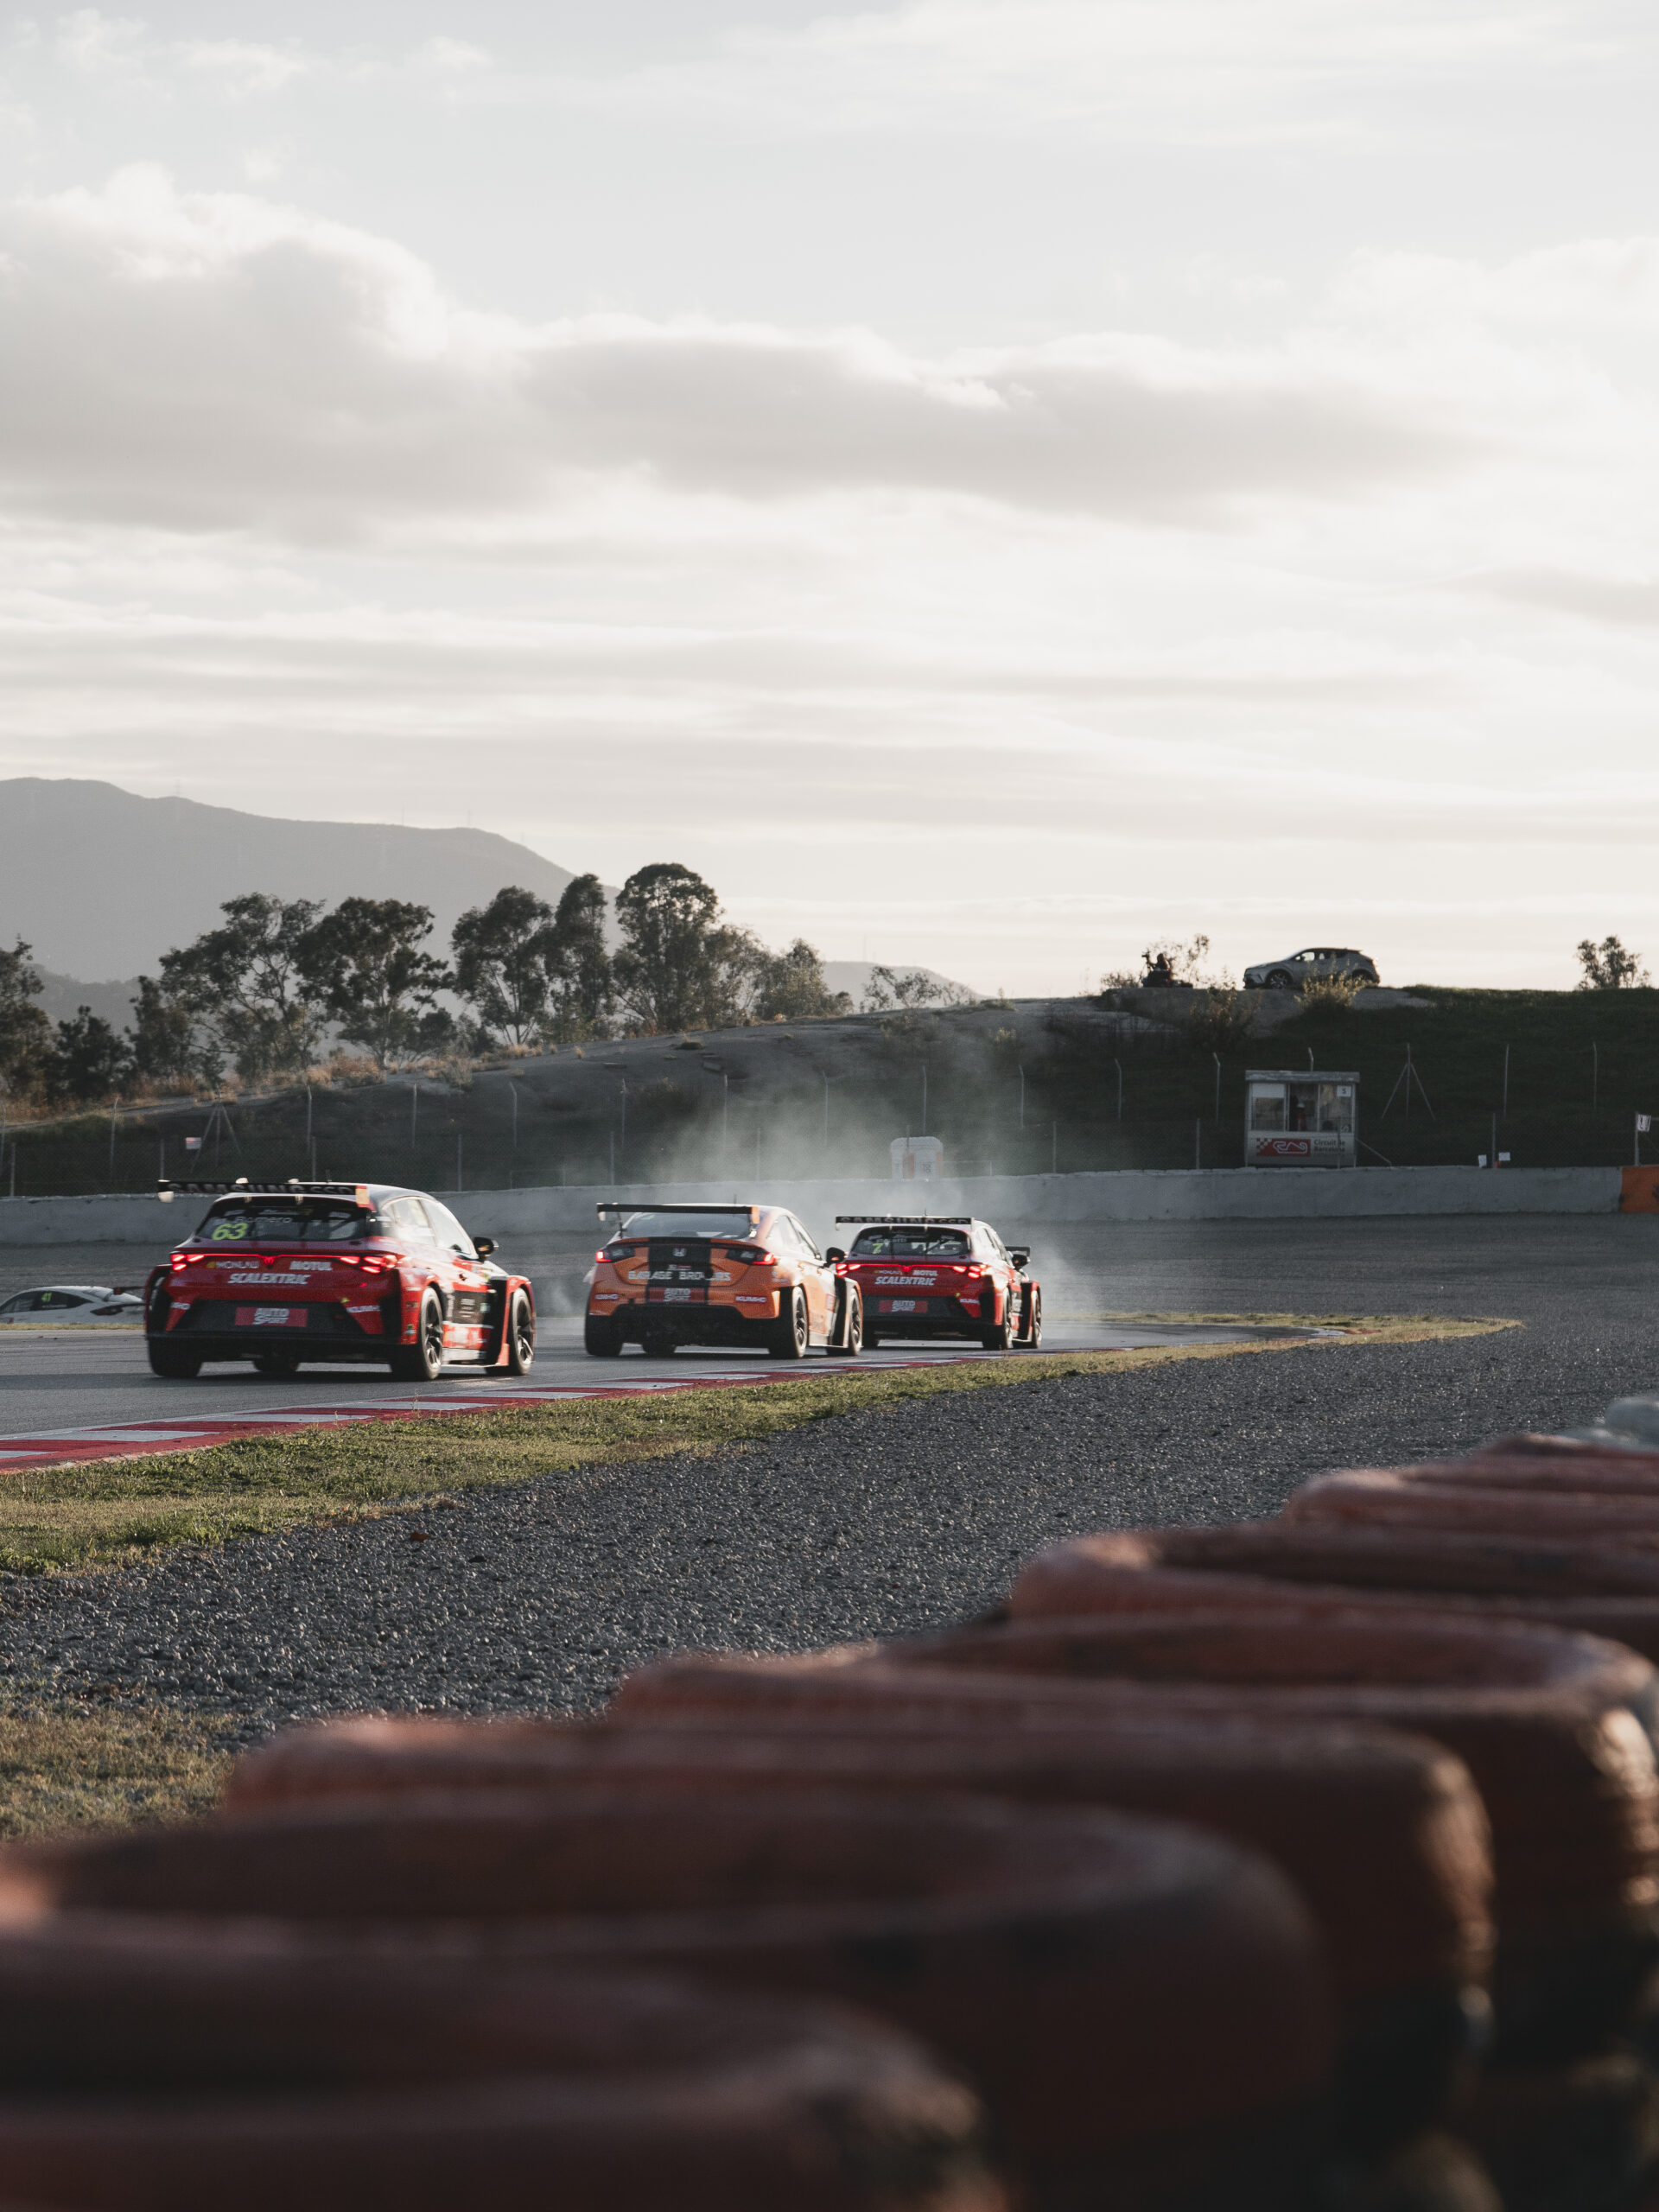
[[217, 361], [1623, 602], [1193, 71]]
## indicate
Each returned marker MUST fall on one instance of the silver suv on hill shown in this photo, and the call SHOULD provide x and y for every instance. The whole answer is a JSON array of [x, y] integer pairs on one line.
[[1316, 962]]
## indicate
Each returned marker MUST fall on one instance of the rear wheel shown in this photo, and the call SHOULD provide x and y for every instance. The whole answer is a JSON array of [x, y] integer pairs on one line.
[[521, 1335], [276, 1366], [172, 1361], [1033, 1334], [1000, 1338], [423, 1360], [787, 1336], [847, 1337], [602, 1336]]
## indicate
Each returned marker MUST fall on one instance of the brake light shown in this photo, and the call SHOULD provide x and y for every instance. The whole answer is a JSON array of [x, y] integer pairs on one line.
[[375, 1263], [182, 1259], [748, 1255]]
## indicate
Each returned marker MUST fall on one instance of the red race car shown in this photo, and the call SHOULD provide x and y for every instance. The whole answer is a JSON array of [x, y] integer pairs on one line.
[[282, 1273], [943, 1275]]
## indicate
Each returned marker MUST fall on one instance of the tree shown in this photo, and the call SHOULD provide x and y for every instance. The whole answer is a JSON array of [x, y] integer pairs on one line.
[[162, 1038], [1609, 967], [87, 1061], [501, 962], [791, 985], [669, 972], [891, 989], [580, 987], [247, 981], [366, 963], [25, 1033]]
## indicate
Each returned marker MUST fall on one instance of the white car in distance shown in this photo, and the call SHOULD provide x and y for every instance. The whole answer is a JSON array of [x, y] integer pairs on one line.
[[72, 1303]]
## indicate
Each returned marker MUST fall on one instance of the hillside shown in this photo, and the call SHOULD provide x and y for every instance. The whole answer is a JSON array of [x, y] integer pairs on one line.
[[827, 1097], [101, 882]]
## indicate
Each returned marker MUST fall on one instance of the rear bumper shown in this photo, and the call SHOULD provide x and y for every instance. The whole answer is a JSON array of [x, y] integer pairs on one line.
[[247, 1344], [688, 1324], [209, 1328]]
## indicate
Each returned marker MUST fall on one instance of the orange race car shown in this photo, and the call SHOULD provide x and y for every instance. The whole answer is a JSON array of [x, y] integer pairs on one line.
[[711, 1275]]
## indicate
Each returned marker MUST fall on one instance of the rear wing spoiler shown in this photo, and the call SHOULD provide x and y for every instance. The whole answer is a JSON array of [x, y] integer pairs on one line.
[[907, 1220], [644, 1206], [167, 1189]]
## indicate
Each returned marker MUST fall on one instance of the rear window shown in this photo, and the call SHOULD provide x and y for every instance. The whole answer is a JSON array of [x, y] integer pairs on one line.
[[737, 1225], [316, 1221], [910, 1244]]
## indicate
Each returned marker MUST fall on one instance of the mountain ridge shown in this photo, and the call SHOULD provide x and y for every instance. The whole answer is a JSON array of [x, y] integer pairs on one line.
[[100, 882]]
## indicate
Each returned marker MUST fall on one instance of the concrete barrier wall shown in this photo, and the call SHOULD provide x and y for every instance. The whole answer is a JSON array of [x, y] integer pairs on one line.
[[1013, 1202]]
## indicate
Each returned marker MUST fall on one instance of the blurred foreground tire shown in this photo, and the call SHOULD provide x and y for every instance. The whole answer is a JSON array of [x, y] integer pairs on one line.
[[1383, 1835], [174, 2071], [1142, 2009]]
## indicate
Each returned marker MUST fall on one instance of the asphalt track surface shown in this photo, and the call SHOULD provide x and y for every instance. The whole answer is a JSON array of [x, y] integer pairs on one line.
[[75, 1393], [539, 1595]]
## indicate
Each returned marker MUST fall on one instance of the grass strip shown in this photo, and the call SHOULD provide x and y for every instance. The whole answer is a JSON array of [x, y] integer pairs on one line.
[[65, 1766], [104, 1513]]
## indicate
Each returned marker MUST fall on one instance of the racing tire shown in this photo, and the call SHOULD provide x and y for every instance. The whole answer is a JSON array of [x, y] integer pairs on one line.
[[276, 1366], [1033, 1334], [423, 1360], [519, 1340], [787, 1336], [600, 1337], [1279, 980], [1001, 1338], [173, 1363], [849, 1327]]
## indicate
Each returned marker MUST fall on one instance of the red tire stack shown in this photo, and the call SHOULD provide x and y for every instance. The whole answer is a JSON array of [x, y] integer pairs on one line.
[[1249, 1869]]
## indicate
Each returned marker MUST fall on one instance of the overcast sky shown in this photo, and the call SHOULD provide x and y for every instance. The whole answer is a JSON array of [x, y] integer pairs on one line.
[[987, 481]]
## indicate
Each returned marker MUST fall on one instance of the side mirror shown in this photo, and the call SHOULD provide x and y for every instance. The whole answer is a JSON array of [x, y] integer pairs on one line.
[[834, 1254], [484, 1246], [1019, 1254]]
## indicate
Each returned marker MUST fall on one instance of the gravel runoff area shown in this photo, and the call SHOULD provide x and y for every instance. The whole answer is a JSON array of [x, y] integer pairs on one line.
[[541, 1596]]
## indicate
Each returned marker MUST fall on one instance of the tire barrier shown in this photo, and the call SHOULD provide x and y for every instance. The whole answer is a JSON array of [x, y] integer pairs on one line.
[[1376, 1497], [196, 2070], [1546, 1723], [1383, 1835], [1260, 1564], [1142, 2008], [1572, 2139]]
